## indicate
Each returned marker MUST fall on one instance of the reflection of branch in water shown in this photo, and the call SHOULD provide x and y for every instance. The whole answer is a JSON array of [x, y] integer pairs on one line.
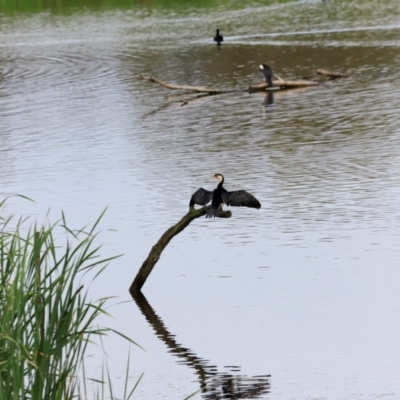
[[162, 107], [214, 385], [178, 101], [200, 98], [168, 338]]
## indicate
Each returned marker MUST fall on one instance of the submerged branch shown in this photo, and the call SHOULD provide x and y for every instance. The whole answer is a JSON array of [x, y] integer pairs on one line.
[[158, 248], [331, 74], [278, 83]]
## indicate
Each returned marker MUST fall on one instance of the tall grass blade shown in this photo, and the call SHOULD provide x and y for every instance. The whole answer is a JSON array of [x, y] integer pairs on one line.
[[46, 317]]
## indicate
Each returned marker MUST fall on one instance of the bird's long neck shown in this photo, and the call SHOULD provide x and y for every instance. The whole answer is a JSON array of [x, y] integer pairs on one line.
[[220, 184]]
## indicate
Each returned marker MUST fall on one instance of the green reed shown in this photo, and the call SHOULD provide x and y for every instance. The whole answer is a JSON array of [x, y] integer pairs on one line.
[[46, 316]]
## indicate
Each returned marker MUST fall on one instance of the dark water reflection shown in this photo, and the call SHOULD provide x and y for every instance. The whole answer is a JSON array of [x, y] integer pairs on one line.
[[214, 385]]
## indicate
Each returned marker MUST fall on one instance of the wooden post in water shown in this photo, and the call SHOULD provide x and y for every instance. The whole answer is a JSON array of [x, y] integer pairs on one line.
[[157, 249]]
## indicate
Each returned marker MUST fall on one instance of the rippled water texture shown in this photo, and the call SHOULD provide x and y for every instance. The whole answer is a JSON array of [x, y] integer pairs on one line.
[[297, 300]]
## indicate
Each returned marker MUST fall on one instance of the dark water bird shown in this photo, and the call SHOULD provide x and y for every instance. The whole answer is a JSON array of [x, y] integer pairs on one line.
[[220, 196], [267, 71], [218, 38]]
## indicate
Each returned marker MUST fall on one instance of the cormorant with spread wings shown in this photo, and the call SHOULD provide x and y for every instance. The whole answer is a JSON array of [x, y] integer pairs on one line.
[[220, 196]]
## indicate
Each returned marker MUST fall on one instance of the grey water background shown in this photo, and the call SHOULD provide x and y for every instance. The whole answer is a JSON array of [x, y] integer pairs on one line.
[[307, 288]]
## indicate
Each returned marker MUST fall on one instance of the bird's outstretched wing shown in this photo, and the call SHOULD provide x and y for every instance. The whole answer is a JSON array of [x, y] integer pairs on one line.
[[201, 197], [240, 198]]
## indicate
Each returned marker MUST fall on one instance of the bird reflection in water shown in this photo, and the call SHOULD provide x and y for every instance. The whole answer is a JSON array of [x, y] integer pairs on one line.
[[214, 385], [268, 99]]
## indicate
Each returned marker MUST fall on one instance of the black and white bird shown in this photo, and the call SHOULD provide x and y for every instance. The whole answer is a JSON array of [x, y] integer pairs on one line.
[[218, 38], [220, 196], [267, 71]]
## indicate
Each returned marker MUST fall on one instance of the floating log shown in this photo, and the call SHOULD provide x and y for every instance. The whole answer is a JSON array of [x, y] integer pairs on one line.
[[157, 249], [331, 74], [282, 84], [200, 89], [278, 84]]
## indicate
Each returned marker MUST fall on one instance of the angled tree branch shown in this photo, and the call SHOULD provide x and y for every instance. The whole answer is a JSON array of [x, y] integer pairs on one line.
[[158, 248]]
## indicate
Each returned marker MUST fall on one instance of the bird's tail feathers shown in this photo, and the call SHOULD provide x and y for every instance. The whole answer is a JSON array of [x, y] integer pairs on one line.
[[213, 213]]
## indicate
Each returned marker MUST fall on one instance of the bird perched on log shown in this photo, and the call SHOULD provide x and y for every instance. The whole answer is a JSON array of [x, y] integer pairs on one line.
[[218, 38], [267, 71], [220, 196]]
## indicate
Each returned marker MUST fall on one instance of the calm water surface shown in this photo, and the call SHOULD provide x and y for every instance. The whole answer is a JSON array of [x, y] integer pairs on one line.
[[297, 300]]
